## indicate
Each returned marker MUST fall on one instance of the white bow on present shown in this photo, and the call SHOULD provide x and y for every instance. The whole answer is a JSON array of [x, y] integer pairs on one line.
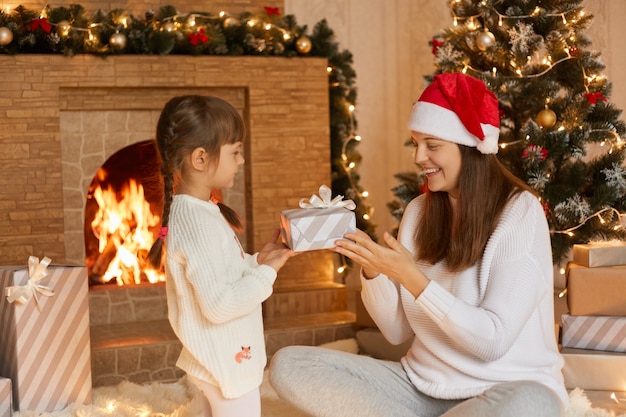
[[36, 271], [324, 200]]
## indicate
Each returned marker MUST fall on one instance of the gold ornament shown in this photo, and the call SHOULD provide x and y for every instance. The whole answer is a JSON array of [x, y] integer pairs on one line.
[[546, 118], [63, 28], [117, 41], [303, 45], [168, 26], [6, 36], [230, 22], [485, 40]]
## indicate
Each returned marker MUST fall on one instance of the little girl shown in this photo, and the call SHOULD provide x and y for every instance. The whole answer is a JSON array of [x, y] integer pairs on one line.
[[214, 289]]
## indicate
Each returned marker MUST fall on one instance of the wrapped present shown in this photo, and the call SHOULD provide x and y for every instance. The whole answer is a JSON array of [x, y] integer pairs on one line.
[[609, 253], [318, 223], [44, 316], [594, 370], [599, 291], [606, 333], [6, 409]]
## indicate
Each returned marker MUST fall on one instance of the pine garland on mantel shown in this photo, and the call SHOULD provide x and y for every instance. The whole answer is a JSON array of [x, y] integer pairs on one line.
[[71, 31]]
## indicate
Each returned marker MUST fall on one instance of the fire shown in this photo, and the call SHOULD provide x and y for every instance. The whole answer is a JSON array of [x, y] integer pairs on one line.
[[122, 226]]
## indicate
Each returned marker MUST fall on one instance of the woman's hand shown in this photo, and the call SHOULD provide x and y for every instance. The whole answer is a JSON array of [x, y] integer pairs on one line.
[[395, 261], [275, 253]]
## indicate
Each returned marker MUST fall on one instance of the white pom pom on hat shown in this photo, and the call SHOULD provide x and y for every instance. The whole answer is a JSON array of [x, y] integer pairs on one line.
[[460, 109]]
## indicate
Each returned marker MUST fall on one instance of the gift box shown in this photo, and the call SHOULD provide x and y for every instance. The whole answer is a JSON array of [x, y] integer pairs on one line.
[[599, 291], [605, 333], [6, 409], [594, 370], [46, 350], [595, 254], [318, 223]]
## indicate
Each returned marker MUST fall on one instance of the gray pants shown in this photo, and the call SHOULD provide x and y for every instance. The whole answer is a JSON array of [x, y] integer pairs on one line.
[[330, 383]]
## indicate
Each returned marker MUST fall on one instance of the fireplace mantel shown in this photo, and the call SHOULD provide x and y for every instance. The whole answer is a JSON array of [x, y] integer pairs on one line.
[[45, 173]]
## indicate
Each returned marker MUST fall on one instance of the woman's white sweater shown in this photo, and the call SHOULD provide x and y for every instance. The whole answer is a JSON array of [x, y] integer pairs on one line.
[[491, 323]]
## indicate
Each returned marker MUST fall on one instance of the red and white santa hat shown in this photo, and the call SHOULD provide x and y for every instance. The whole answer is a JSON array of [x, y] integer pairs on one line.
[[460, 109]]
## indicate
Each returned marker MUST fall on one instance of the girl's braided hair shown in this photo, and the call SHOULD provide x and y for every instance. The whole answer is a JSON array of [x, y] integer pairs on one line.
[[186, 123]]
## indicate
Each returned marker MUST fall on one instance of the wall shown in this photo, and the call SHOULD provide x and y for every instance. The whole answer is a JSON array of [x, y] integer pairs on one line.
[[389, 41]]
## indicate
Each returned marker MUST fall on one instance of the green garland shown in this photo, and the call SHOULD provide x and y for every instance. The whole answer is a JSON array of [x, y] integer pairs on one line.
[[70, 31]]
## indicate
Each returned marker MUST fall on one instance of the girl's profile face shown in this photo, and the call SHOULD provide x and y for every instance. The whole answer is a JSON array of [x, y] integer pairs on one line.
[[231, 157], [440, 161]]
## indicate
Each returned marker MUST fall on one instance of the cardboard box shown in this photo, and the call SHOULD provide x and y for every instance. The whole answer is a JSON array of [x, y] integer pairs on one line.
[[605, 333], [46, 347], [6, 407], [594, 370], [599, 254], [599, 291], [315, 228]]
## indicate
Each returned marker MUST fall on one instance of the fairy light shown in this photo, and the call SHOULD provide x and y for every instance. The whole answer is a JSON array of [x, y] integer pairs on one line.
[[570, 231]]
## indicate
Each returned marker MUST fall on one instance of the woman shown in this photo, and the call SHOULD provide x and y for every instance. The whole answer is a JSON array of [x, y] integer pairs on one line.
[[469, 278]]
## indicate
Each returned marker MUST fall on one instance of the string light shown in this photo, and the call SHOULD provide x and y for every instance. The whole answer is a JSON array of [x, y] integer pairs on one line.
[[570, 231]]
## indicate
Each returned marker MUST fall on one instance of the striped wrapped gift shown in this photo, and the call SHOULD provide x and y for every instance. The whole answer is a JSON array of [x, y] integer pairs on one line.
[[44, 316], [318, 223], [6, 409], [607, 333]]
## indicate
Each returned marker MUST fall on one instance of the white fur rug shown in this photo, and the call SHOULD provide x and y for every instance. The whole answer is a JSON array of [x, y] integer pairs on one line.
[[182, 399]]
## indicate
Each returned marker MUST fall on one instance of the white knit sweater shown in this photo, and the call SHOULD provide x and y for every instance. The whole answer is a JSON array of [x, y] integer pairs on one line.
[[491, 323], [214, 296]]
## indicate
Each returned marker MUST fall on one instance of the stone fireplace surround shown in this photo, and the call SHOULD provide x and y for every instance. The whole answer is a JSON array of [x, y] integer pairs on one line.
[[63, 117]]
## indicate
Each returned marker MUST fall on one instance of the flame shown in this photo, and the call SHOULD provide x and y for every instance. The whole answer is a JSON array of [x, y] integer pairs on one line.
[[122, 225]]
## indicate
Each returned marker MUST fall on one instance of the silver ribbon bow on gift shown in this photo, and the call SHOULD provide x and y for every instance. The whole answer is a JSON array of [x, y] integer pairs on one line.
[[36, 271], [324, 200]]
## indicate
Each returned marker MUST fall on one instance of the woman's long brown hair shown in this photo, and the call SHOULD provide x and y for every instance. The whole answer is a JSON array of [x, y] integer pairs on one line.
[[460, 238]]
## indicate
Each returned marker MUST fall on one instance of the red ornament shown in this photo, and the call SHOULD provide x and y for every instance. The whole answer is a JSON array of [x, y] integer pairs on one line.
[[272, 10], [198, 37], [593, 98], [534, 152], [42, 23], [436, 45], [546, 208], [573, 51]]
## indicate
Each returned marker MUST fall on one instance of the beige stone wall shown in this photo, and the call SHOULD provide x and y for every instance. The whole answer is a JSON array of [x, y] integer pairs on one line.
[[288, 157]]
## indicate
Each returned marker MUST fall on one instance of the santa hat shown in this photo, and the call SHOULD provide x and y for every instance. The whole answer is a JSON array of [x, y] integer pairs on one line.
[[460, 109]]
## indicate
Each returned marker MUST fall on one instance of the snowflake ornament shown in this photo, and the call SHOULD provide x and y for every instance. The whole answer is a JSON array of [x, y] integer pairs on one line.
[[572, 208], [538, 180], [447, 53], [521, 36], [616, 178]]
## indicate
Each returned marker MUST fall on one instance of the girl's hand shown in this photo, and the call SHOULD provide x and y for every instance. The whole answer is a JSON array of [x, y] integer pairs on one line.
[[275, 253], [395, 261]]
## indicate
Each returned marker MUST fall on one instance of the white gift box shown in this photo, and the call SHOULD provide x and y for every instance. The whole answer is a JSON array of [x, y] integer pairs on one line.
[[600, 254], [318, 223], [594, 370]]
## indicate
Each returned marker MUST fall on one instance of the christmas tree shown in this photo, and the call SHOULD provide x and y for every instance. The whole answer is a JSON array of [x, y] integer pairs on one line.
[[559, 131]]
